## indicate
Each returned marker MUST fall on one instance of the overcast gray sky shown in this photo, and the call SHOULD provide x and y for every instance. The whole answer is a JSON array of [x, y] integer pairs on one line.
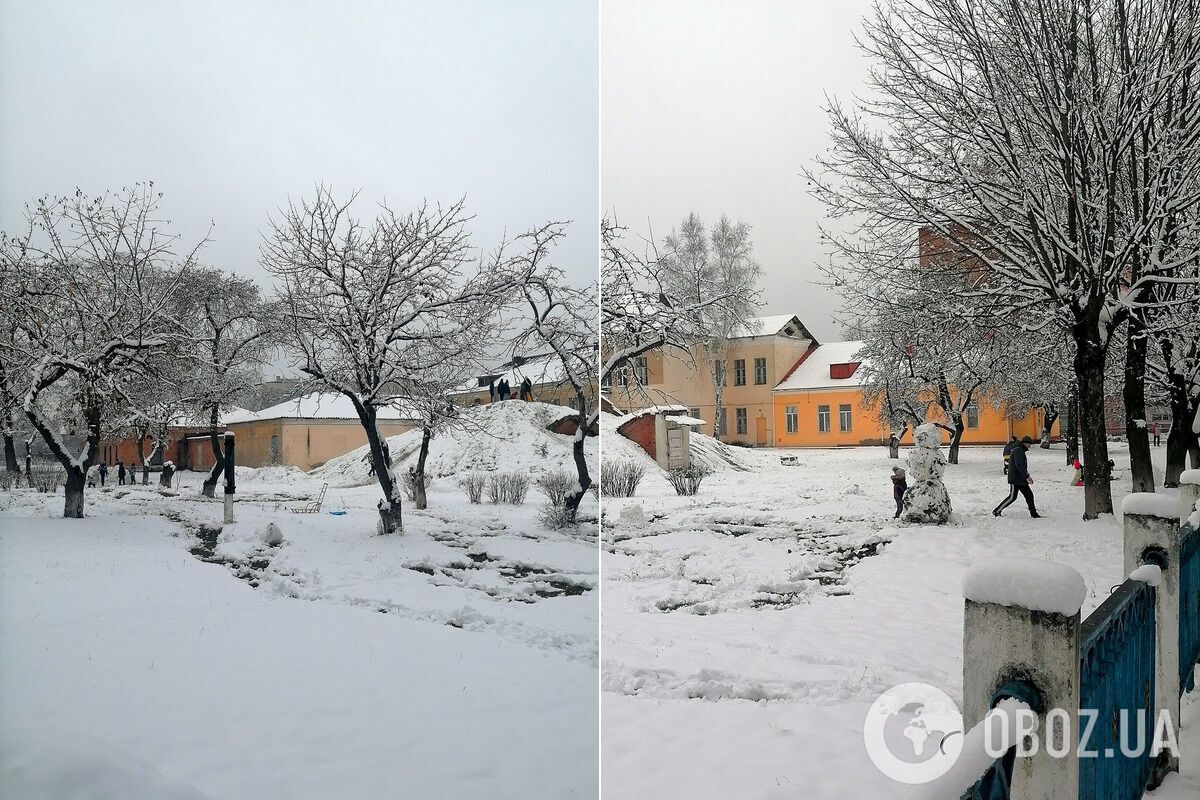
[[230, 107], [716, 107]]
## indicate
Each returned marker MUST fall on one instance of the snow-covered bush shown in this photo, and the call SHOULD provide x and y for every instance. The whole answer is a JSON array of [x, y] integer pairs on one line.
[[46, 477], [556, 516], [409, 484], [9, 480], [508, 487], [473, 483], [556, 486], [621, 478], [687, 481]]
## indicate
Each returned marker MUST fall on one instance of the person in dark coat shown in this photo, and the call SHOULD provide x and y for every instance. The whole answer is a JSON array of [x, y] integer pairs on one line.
[[526, 389], [492, 391], [1008, 448], [120, 473], [899, 487], [1019, 479], [503, 389], [103, 470]]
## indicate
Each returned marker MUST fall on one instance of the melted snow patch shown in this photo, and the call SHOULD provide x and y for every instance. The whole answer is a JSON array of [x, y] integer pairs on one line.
[[1028, 583]]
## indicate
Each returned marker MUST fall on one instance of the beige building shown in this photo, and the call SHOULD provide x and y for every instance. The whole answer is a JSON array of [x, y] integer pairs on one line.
[[305, 432], [754, 361]]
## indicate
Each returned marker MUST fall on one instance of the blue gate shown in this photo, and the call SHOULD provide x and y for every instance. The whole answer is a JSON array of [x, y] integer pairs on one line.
[[1189, 607], [1116, 677]]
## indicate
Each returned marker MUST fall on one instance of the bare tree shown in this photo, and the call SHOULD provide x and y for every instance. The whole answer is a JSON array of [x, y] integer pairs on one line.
[[1007, 126], [697, 265], [364, 305], [92, 298], [563, 319]]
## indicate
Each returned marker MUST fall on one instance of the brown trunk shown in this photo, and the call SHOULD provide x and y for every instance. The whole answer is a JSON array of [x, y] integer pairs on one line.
[[956, 436], [1141, 468], [1072, 423], [10, 454], [390, 506], [1089, 374], [209, 489], [418, 488]]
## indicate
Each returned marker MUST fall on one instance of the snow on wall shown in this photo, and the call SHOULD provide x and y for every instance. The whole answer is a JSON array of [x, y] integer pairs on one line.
[[1028, 583], [1190, 477]]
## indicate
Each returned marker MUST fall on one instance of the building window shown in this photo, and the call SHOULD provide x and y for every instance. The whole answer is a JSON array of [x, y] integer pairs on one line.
[[739, 419], [694, 413], [760, 371], [844, 418], [823, 419], [641, 370], [973, 415], [719, 372], [721, 423], [739, 372], [793, 419]]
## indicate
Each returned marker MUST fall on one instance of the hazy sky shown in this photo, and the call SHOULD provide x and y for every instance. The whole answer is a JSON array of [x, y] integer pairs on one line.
[[716, 107], [232, 107]]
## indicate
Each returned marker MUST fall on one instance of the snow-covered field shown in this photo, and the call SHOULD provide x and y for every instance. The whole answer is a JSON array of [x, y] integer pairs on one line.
[[748, 629], [140, 647]]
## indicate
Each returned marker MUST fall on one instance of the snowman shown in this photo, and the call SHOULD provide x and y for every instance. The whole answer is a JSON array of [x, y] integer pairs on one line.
[[926, 499]]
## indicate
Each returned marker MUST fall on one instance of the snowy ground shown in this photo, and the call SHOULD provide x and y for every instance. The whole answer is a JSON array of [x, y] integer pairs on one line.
[[456, 660], [747, 630]]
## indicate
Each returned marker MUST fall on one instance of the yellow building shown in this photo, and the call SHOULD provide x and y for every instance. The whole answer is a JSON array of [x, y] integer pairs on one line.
[[820, 403], [754, 360], [305, 432], [545, 373]]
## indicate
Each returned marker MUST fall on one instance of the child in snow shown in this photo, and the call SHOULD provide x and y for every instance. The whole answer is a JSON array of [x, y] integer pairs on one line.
[[899, 487], [1078, 479]]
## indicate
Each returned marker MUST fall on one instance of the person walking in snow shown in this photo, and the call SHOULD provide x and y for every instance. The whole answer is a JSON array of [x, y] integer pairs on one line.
[[1008, 448], [1154, 433], [103, 470], [503, 389], [120, 473], [1019, 479], [899, 487], [526, 389]]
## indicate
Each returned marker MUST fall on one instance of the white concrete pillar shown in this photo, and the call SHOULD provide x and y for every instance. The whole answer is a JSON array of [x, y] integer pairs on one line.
[[1156, 531], [1189, 494], [1008, 642]]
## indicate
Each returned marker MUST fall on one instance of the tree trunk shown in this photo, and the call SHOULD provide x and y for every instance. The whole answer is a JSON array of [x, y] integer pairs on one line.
[[893, 445], [164, 478], [10, 454], [390, 506], [581, 470], [418, 487], [141, 446], [956, 435], [73, 490], [1089, 373], [209, 489], [1072, 423], [1141, 467], [1048, 419]]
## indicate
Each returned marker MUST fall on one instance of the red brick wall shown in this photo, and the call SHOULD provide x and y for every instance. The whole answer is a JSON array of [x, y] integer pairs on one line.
[[641, 430]]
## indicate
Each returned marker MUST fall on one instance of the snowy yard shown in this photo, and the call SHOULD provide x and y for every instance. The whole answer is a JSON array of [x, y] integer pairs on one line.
[[748, 629], [458, 659]]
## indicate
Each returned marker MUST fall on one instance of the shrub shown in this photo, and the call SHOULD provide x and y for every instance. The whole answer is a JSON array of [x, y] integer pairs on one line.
[[10, 480], [508, 487], [687, 481], [473, 482], [621, 478], [557, 485], [409, 483], [556, 517], [47, 477]]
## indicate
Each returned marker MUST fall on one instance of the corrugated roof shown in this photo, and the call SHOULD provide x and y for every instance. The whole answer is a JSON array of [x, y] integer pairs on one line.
[[813, 370], [315, 405]]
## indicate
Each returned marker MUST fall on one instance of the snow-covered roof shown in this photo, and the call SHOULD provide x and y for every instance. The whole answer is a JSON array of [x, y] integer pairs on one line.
[[766, 326], [315, 405], [684, 419], [648, 410], [813, 372]]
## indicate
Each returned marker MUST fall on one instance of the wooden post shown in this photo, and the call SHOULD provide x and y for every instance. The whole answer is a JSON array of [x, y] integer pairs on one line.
[[230, 486]]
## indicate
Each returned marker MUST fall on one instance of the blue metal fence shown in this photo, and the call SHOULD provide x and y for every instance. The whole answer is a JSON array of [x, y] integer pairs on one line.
[[1116, 676], [1189, 607], [996, 783]]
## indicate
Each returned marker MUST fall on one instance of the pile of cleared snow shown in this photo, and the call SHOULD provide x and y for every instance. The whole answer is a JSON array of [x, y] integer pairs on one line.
[[273, 474], [1027, 582], [43, 766], [511, 436]]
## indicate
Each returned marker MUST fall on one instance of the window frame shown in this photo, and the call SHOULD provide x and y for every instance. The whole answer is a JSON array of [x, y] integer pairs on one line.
[[739, 372], [792, 418], [741, 421], [824, 419], [845, 417], [760, 362]]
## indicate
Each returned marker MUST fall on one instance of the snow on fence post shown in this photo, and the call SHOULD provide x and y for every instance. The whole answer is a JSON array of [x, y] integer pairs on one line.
[[1021, 623], [1189, 494], [1152, 537], [230, 486]]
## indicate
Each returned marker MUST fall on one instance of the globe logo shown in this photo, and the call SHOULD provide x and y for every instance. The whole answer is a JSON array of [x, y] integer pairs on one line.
[[909, 731]]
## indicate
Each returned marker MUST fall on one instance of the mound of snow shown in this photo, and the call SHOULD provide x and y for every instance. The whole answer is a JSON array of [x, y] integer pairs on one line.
[[707, 452], [275, 474], [41, 766], [510, 436]]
